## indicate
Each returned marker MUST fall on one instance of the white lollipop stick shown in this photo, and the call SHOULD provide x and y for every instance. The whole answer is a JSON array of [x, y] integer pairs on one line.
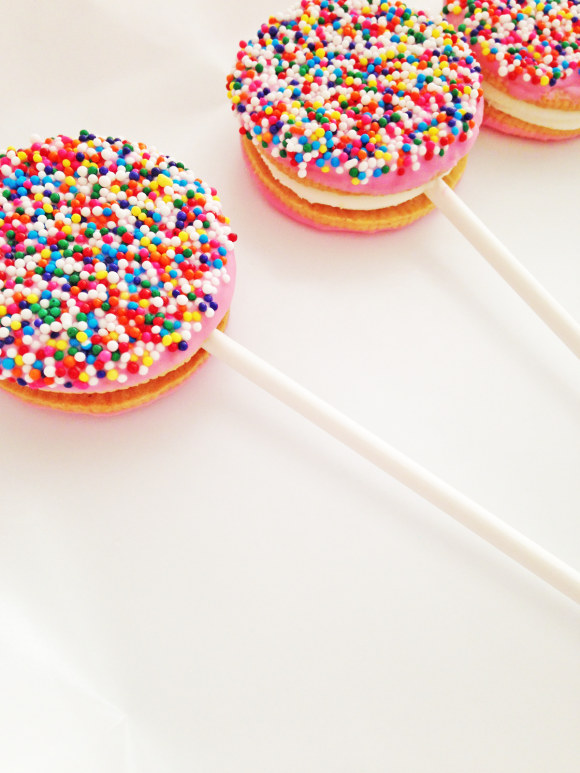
[[526, 286], [492, 529]]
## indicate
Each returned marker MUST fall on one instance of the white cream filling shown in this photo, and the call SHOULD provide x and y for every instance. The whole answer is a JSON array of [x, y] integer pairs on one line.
[[356, 201], [562, 120]]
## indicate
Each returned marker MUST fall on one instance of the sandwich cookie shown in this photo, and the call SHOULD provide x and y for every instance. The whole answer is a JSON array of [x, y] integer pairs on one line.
[[116, 264], [349, 111]]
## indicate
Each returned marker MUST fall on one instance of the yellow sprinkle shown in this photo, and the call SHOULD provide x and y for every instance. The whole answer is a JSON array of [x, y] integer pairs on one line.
[[112, 375], [136, 211], [101, 274], [183, 236], [187, 316], [32, 298], [81, 336], [125, 296], [61, 345], [175, 337], [167, 340], [147, 361], [18, 360], [143, 303], [75, 219], [163, 180], [83, 376], [15, 325], [196, 316]]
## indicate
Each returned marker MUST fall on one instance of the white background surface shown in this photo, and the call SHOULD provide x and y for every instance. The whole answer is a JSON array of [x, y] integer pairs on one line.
[[210, 583]]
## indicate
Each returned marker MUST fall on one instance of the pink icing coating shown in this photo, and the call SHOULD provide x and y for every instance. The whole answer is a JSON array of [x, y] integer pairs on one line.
[[171, 360], [519, 88], [99, 238], [526, 90], [394, 183]]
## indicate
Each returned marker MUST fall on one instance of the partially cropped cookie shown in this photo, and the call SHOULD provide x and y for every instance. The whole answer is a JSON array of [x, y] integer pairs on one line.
[[529, 54], [349, 110], [116, 264]]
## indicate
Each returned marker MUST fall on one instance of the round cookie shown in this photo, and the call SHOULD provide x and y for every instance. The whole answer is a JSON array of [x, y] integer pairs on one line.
[[116, 264], [529, 54], [348, 111]]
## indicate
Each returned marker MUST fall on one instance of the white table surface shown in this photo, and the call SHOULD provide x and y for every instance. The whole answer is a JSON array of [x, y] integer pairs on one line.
[[212, 584]]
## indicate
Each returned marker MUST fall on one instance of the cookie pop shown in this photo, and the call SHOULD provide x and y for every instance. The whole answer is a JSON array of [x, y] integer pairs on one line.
[[112, 257], [529, 53], [358, 117], [116, 263]]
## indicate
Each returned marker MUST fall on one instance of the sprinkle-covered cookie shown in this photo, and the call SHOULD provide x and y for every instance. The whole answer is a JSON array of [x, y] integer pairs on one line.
[[357, 93], [530, 58], [115, 264]]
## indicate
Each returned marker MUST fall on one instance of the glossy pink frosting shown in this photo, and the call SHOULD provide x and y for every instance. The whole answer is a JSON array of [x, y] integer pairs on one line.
[[393, 182], [518, 88], [170, 360], [526, 90]]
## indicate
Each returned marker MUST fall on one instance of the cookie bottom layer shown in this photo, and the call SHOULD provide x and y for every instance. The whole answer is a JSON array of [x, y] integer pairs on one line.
[[329, 218], [118, 400], [508, 124]]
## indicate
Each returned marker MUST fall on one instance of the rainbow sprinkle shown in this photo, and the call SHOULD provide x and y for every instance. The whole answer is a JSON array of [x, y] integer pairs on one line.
[[111, 254], [539, 42], [365, 90]]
